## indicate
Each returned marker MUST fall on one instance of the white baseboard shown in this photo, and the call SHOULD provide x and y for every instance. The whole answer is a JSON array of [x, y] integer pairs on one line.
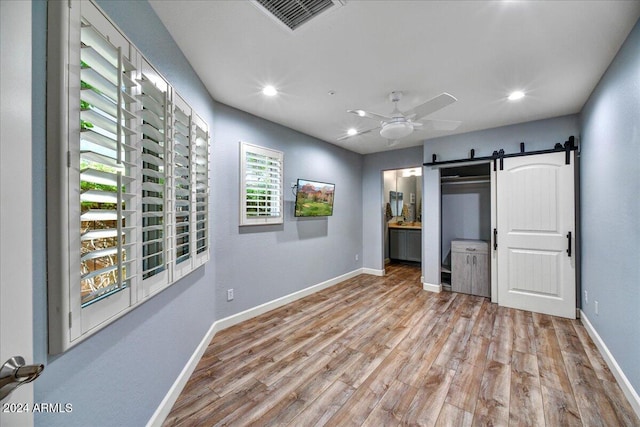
[[162, 411], [431, 287], [279, 302], [630, 393], [373, 272], [172, 395]]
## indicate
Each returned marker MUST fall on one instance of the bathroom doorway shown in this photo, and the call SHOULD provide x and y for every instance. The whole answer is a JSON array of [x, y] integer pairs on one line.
[[402, 200]]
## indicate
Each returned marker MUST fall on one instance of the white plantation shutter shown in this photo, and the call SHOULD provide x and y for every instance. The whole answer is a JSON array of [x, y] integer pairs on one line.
[[261, 185], [107, 166], [200, 169], [127, 176], [153, 148], [182, 182]]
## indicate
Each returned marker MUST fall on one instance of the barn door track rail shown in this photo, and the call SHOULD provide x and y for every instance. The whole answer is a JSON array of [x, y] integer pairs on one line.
[[498, 156]]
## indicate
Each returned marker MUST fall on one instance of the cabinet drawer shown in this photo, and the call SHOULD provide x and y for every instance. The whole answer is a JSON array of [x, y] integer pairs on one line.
[[477, 246]]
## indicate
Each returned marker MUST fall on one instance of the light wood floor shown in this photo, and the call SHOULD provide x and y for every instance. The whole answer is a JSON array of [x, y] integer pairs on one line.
[[380, 351]]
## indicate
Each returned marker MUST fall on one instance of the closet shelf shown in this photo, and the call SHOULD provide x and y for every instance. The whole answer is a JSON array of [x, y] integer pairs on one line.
[[456, 180]]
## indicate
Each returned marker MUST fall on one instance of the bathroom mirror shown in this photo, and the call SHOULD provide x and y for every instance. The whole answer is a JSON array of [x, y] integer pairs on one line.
[[396, 202]]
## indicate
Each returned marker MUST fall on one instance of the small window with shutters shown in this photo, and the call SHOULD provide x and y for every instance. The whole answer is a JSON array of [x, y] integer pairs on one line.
[[127, 176], [261, 185]]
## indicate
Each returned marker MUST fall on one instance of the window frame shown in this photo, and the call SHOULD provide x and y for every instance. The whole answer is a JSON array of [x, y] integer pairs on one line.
[[273, 157]]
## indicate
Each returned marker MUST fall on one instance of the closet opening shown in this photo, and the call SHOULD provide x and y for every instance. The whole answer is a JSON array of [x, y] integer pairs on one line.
[[465, 231]]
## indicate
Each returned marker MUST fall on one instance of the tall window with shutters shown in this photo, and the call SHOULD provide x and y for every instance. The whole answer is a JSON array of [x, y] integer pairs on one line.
[[261, 185], [128, 171]]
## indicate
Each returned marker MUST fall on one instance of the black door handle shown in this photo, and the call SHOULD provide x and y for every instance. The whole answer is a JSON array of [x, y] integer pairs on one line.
[[495, 239], [569, 243]]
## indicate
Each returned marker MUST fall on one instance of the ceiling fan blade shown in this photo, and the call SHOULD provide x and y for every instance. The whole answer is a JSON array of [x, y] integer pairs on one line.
[[444, 124], [342, 138], [431, 106], [369, 115]]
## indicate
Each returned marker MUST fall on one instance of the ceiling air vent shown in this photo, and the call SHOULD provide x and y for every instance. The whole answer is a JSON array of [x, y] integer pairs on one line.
[[293, 13]]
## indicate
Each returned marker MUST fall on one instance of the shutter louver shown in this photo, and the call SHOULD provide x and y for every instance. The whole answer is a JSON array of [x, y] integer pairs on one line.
[[201, 156], [106, 167], [154, 101], [182, 183]]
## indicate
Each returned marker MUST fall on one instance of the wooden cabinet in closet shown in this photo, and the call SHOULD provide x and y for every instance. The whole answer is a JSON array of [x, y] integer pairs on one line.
[[470, 267]]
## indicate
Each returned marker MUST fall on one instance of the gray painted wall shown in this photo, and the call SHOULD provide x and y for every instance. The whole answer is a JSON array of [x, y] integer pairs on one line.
[[610, 204], [466, 214], [537, 135], [120, 375], [263, 263]]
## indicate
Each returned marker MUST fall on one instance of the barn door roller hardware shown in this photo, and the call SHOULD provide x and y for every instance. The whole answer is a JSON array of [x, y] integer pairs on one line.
[[498, 156]]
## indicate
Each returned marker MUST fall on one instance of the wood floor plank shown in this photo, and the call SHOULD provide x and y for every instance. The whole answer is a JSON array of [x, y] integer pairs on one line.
[[452, 416], [560, 408], [524, 337], [595, 409], [567, 336], [597, 362], [492, 406], [465, 387], [429, 399], [501, 343], [622, 409], [393, 405], [525, 401], [320, 410], [380, 351]]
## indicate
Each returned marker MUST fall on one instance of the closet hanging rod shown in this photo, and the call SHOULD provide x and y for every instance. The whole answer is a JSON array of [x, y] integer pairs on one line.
[[463, 182], [568, 146]]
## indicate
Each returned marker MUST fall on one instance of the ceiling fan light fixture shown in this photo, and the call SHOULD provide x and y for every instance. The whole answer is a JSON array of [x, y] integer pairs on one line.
[[396, 130]]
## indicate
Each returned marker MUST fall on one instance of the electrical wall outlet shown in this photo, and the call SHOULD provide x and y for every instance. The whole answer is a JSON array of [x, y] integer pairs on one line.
[[229, 294], [596, 307], [586, 297], [357, 257]]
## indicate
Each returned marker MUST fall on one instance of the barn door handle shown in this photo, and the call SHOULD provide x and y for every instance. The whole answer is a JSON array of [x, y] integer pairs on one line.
[[569, 243]]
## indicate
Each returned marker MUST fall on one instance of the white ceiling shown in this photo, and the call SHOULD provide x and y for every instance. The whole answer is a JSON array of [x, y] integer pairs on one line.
[[478, 51]]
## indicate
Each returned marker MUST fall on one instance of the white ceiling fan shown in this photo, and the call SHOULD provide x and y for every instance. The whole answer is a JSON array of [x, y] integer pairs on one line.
[[399, 124]]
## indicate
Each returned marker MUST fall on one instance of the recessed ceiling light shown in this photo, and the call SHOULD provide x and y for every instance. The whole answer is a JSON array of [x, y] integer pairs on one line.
[[361, 113], [269, 90], [518, 94], [352, 132]]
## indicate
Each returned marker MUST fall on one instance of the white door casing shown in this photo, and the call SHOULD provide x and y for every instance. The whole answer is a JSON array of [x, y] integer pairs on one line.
[[16, 287], [535, 214]]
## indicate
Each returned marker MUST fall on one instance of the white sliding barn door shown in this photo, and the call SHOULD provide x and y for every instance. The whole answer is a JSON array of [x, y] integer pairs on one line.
[[535, 203]]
